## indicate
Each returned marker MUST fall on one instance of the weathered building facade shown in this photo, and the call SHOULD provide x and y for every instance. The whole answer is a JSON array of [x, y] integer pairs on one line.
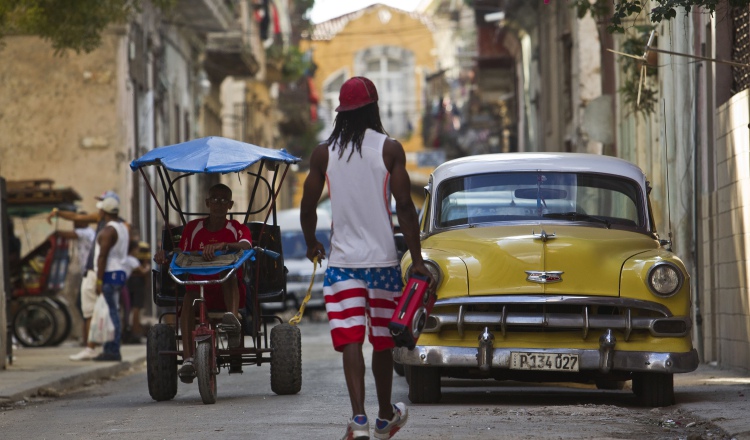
[[164, 77]]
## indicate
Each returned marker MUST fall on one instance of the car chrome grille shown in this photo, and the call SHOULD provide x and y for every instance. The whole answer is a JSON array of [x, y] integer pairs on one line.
[[555, 313]]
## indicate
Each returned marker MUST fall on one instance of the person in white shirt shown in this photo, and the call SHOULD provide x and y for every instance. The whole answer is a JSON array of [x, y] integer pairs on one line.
[[84, 236], [362, 166]]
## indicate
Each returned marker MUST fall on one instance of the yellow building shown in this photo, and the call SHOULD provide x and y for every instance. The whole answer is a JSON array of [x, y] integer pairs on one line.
[[396, 50]]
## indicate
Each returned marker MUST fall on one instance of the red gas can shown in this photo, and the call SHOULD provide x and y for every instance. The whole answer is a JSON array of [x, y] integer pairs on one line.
[[412, 311]]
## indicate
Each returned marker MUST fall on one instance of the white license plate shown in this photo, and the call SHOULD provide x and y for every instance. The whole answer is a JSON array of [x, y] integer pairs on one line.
[[543, 361]]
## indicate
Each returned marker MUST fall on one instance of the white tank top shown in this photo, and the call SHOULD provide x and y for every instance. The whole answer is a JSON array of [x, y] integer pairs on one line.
[[360, 193], [118, 253]]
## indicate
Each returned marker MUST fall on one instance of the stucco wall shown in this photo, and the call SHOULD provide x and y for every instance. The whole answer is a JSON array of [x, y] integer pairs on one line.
[[725, 298], [61, 116]]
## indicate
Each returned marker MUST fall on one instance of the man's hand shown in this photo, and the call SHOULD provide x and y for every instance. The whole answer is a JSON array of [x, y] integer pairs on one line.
[[421, 269], [316, 250], [160, 257], [52, 214]]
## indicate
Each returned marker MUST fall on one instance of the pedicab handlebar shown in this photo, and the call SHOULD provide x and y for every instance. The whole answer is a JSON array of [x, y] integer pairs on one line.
[[207, 269]]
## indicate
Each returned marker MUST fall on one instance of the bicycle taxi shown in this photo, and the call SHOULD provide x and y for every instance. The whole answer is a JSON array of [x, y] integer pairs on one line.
[[263, 267]]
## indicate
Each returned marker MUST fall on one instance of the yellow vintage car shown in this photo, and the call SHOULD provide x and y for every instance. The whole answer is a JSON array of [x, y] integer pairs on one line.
[[549, 268]]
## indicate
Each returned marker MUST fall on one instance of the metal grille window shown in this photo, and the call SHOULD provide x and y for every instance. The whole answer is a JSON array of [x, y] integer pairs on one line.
[[741, 48]]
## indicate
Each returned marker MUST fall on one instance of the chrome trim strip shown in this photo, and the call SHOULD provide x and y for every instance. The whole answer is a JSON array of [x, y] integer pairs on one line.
[[641, 361], [440, 321], [557, 299], [586, 322]]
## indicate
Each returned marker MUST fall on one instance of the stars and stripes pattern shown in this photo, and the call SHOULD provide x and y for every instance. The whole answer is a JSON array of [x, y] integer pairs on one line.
[[356, 296]]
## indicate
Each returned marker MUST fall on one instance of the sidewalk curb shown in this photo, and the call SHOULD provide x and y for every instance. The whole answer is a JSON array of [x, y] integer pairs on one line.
[[68, 382]]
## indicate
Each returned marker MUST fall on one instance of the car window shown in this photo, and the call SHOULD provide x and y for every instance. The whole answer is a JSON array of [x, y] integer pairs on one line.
[[294, 247], [498, 197]]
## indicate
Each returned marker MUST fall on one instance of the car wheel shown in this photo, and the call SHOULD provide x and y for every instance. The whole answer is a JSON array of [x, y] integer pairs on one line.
[[398, 368], [424, 384], [654, 389], [607, 384]]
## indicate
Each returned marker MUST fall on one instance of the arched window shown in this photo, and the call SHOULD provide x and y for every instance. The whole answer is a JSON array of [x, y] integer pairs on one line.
[[329, 101], [392, 70]]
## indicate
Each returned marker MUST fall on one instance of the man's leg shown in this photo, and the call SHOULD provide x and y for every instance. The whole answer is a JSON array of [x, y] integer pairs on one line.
[[231, 292], [136, 318], [382, 370], [187, 323], [111, 349], [231, 319], [354, 372]]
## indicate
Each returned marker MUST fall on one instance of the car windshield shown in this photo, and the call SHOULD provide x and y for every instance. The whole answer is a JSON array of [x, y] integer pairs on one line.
[[497, 197], [294, 247]]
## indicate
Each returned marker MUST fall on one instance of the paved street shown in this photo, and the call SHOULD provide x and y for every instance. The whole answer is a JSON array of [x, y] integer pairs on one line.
[[246, 407]]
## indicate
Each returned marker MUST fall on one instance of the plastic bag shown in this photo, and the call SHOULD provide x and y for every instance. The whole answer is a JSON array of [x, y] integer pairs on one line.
[[102, 329]]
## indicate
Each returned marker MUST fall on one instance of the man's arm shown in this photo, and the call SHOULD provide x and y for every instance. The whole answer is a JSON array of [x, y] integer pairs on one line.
[[106, 239], [395, 161], [312, 190], [73, 216]]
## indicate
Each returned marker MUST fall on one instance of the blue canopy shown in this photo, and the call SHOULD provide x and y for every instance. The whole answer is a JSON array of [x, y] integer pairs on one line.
[[212, 154]]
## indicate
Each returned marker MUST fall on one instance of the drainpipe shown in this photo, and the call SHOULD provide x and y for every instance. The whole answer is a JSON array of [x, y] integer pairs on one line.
[[698, 319]]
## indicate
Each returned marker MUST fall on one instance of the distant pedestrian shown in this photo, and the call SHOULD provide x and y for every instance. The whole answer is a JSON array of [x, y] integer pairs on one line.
[[362, 167], [84, 236], [110, 253], [137, 270]]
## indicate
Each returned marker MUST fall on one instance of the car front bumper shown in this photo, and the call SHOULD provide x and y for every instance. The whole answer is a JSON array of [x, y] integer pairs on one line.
[[604, 361]]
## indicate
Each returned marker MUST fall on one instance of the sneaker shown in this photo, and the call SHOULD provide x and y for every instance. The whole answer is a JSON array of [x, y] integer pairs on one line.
[[109, 357], [86, 354], [358, 429], [385, 429], [187, 371], [232, 326]]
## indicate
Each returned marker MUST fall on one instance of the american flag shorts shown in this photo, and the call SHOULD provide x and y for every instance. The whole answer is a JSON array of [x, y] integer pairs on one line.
[[355, 297]]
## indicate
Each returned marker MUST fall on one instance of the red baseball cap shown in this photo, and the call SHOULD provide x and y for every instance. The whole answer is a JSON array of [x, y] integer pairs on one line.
[[356, 92]]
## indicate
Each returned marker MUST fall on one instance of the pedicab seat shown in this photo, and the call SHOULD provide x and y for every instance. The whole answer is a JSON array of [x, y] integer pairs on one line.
[[272, 273]]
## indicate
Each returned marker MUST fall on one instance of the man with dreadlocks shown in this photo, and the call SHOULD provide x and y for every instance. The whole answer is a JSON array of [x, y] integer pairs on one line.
[[362, 167]]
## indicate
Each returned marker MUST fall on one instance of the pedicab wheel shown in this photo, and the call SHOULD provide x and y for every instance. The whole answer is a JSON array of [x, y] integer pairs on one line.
[[35, 324], [206, 375], [161, 369], [63, 319], [424, 384], [286, 359]]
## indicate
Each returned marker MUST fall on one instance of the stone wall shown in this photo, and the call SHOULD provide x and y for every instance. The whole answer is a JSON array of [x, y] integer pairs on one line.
[[725, 213]]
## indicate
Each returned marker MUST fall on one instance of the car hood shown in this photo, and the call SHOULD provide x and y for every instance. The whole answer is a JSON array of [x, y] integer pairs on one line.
[[497, 259]]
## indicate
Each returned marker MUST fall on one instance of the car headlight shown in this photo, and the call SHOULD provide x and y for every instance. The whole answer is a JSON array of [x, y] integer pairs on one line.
[[664, 279], [434, 270]]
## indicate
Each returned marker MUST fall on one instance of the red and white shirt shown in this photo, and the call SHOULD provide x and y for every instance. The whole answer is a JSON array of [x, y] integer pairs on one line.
[[195, 236]]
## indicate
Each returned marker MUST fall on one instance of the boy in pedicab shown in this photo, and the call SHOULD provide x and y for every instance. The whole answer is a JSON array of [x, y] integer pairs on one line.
[[209, 235]]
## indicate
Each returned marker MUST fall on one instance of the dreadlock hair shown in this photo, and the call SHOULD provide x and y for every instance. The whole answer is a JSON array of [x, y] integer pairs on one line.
[[350, 126]]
